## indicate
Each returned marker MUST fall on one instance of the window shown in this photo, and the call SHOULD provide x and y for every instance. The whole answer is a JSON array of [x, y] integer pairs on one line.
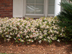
[[40, 7], [51, 6], [34, 6]]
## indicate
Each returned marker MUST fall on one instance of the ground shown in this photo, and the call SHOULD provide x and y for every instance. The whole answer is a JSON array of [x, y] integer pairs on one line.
[[35, 48]]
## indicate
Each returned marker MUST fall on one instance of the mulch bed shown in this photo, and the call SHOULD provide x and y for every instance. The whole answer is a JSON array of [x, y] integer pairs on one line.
[[36, 48]]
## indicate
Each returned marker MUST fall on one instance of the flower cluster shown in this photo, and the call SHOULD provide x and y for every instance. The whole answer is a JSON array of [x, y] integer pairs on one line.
[[30, 30]]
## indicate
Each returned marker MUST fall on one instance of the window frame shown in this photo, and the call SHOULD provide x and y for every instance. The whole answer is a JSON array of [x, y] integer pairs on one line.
[[45, 14]]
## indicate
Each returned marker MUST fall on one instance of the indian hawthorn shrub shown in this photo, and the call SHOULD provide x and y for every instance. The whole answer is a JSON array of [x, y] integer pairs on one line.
[[30, 30]]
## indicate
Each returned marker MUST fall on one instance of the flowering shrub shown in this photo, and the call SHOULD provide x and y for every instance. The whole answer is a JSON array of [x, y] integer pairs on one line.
[[30, 30]]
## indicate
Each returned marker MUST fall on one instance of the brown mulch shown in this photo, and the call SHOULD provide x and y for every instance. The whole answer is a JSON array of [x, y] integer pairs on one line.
[[35, 48]]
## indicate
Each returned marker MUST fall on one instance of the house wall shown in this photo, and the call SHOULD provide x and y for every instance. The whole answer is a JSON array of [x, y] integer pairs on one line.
[[6, 8]]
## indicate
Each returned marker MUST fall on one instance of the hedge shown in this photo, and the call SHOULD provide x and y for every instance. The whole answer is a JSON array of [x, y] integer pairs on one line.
[[29, 30]]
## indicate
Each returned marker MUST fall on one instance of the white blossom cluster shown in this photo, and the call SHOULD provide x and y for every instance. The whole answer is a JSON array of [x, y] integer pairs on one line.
[[30, 30]]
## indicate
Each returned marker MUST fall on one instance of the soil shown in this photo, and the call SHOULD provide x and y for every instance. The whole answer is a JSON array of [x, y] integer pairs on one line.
[[36, 48]]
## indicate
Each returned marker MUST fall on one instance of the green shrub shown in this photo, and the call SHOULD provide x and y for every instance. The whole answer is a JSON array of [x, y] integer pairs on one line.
[[29, 30], [65, 18]]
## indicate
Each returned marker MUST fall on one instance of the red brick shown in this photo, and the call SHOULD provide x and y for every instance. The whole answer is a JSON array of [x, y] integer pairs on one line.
[[6, 8]]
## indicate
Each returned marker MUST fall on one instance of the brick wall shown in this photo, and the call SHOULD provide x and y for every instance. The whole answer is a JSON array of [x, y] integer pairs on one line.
[[6, 8]]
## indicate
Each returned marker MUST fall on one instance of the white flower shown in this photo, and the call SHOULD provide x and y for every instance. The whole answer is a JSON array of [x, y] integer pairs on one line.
[[18, 23], [40, 41], [27, 36], [22, 40], [20, 32], [62, 30], [14, 38], [58, 40], [51, 30], [48, 37], [47, 26], [25, 31], [56, 32], [11, 34], [7, 35], [29, 40], [44, 39], [8, 40], [45, 22], [45, 33], [60, 33], [40, 37], [32, 41], [18, 35]]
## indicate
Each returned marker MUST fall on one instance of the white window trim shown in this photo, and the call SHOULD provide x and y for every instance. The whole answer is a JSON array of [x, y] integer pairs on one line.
[[50, 15], [46, 8], [57, 7], [22, 11], [15, 11], [24, 8]]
